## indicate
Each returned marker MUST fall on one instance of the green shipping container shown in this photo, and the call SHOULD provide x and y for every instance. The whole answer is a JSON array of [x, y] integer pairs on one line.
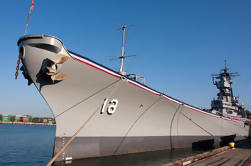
[[17, 117], [45, 120], [5, 118]]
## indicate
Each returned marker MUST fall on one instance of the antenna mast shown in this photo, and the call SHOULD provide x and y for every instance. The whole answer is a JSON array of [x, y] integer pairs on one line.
[[123, 52]]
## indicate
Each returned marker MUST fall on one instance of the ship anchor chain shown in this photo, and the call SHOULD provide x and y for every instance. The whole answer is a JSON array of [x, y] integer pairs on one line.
[[18, 64]]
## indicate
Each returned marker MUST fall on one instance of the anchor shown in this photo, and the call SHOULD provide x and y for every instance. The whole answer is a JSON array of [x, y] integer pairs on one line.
[[52, 66]]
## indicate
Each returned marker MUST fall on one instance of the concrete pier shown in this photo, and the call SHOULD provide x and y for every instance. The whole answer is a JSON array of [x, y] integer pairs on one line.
[[239, 156], [225, 156]]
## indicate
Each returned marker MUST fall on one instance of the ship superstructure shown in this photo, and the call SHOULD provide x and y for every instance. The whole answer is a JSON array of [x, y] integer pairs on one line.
[[226, 103]]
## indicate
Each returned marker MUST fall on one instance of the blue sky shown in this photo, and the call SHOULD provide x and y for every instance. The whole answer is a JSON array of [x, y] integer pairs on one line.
[[178, 44]]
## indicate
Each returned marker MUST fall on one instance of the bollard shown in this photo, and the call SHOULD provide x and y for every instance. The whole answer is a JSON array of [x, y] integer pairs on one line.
[[231, 144]]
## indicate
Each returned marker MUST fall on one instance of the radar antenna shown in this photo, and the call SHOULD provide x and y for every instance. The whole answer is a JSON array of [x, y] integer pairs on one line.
[[225, 73]]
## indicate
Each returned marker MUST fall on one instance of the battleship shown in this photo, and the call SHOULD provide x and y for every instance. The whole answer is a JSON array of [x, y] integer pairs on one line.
[[121, 114]]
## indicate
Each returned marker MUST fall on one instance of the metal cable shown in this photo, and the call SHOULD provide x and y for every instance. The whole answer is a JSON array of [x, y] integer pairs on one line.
[[197, 124], [133, 124], [79, 130], [85, 99], [171, 143]]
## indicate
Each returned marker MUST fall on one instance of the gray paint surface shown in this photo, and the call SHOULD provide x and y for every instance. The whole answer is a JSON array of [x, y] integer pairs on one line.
[[144, 120]]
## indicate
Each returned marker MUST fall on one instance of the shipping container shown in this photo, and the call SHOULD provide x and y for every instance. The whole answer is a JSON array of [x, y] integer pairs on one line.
[[12, 118], [25, 119], [17, 119], [36, 120], [5, 118], [30, 119], [44, 120], [50, 122]]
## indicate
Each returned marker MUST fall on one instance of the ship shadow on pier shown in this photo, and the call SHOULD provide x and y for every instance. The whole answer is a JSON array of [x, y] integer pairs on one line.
[[210, 144], [203, 145], [227, 139]]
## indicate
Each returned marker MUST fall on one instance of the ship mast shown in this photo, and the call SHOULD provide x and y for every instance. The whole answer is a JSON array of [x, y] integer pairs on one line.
[[122, 57], [123, 52]]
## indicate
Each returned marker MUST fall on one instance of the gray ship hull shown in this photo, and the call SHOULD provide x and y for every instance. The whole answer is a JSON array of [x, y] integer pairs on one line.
[[144, 119]]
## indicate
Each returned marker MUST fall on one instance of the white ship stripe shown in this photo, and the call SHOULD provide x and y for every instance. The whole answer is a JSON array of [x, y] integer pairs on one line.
[[143, 87], [95, 66], [172, 100]]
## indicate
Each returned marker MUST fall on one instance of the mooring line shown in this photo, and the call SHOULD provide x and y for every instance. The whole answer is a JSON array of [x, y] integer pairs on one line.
[[214, 136], [71, 139], [125, 136], [197, 125], [85, 99], [78, 131], [171, 126]]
